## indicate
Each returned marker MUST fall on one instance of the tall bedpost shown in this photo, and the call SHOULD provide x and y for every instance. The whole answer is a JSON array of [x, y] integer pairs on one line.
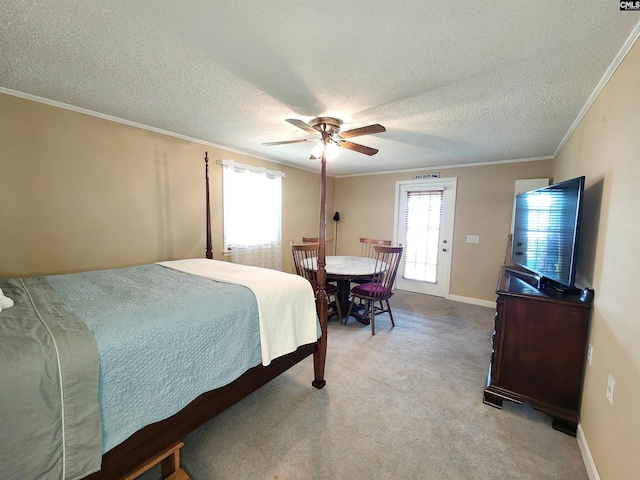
[[206, 176], [320, 355]]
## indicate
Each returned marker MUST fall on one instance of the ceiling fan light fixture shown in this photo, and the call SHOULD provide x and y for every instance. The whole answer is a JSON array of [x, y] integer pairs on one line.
[[331, 152], [316, 152]]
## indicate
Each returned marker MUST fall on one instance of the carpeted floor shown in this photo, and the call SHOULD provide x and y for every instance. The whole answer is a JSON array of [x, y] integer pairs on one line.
[[403, 404]]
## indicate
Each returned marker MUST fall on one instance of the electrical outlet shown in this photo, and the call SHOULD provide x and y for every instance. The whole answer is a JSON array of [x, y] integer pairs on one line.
[[589, 354], [473, 238], [610, 384]]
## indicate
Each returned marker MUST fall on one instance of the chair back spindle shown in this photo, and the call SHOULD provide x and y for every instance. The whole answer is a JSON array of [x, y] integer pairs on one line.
[[387, 263], [328, 242], [368, 246], [306, 255]]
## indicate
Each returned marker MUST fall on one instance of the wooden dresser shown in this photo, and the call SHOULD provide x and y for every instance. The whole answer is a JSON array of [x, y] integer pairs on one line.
[[539, 350]]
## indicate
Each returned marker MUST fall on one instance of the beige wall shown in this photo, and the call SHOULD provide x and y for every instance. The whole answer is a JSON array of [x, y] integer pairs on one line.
[[483, 207], [78, 192], [606, 149]]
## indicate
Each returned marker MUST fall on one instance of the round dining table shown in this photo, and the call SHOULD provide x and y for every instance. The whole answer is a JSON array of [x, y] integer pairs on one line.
[[344, 269]]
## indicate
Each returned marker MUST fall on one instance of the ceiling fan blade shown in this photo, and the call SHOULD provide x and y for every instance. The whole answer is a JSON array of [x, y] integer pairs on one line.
[[290, 141], [358, 148], [368, 130], [300, 124]]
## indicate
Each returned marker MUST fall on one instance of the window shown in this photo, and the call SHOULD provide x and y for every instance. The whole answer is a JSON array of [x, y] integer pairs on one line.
[[422, 235], [252, 202]]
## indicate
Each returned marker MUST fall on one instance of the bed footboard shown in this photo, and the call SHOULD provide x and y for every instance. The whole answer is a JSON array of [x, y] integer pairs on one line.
[[148, 442]]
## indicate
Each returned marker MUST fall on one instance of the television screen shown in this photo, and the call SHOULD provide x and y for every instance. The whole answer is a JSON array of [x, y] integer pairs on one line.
[[545, 232]]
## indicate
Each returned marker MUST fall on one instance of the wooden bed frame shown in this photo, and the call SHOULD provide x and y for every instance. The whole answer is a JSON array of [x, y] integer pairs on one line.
[[149, 443]]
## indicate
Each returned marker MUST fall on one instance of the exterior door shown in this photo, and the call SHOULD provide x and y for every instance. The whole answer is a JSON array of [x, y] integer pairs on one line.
[[424, 225]]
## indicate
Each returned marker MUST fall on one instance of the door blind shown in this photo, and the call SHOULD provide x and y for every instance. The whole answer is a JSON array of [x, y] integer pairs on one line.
[[422, 235]]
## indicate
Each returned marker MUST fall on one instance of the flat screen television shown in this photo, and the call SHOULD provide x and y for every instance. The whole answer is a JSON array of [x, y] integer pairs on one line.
[[545, 233]]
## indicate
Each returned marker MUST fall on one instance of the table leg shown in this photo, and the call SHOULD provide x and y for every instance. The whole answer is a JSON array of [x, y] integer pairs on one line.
[[344, 292]]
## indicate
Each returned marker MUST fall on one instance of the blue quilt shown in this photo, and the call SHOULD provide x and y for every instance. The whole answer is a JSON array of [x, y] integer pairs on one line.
[[164, 337]]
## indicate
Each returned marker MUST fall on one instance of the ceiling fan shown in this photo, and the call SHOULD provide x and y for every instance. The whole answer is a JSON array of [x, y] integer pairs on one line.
[[327, 129]]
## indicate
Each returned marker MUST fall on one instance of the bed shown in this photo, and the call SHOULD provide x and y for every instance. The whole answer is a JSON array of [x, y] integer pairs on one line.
[[99, 400]]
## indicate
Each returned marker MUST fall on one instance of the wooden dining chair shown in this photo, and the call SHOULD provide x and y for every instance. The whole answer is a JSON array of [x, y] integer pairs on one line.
[[367, 246], [381, 286], [305, 258], [328, 243]]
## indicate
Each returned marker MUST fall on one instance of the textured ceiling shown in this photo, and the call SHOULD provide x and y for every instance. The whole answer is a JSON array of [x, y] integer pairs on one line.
[[453, 82]]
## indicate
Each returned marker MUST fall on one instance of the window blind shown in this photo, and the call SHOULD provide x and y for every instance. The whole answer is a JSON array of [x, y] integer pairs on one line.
[[422, 235]]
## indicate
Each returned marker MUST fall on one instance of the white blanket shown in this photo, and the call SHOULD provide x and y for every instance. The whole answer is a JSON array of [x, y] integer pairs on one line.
[[286, 303]]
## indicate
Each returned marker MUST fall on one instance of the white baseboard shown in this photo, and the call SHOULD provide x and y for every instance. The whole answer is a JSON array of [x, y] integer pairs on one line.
[[472, 301], [589, 464]]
